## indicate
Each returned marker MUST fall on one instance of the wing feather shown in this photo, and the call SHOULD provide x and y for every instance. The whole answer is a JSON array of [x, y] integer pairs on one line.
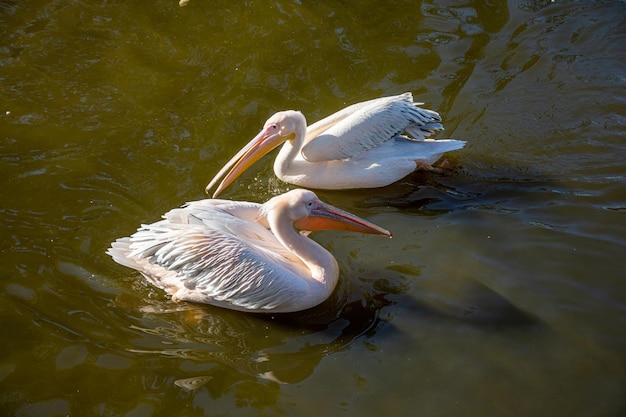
[[364, 126], [203, 253]]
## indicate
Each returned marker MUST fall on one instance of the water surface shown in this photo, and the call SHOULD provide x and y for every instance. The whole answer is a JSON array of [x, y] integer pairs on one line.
[[501, 293]]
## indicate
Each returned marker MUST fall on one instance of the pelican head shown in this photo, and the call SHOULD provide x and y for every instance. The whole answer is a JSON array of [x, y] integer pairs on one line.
[[281, 127], [307, 212]]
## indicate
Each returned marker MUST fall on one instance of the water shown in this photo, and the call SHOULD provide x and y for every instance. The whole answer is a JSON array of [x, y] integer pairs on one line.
[[501, 293]]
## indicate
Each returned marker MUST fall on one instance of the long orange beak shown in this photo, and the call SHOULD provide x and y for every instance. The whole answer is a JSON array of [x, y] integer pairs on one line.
[[261, 145], [326, 217]]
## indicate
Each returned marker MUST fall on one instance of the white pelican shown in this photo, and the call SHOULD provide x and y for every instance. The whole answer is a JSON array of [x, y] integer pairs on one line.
[[361, 146], [242, 256]]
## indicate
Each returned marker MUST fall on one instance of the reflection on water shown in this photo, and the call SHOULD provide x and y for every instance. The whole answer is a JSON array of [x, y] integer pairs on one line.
[[192, 383], [500, 293], [281, 348]]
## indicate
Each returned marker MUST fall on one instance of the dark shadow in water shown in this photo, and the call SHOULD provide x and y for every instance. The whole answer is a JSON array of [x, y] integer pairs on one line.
[[286, 348], [474, 304], [283, 348], [421, 190], [433, 194], [435, 191]]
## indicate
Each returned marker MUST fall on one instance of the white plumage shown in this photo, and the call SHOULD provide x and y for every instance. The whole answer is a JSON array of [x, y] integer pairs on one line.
[[240, 255], [365, 145]]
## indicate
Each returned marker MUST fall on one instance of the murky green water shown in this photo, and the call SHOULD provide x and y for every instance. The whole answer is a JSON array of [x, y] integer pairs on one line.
[[502, 293]]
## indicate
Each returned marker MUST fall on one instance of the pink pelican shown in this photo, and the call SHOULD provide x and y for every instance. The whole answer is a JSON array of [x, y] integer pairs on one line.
[[361, 146], [242, 256]]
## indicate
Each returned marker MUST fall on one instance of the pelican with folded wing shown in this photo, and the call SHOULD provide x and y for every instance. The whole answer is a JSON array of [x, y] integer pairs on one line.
[[242, 256], [364, 145]]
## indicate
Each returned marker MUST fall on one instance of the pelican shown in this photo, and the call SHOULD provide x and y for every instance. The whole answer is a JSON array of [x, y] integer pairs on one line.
[[361, 146], [240, 255]]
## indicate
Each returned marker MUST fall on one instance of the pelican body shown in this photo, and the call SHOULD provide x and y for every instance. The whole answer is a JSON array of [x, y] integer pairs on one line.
[[240, 255], [362, 146]]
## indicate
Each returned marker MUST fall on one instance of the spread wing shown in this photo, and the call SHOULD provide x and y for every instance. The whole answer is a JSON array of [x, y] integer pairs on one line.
[[364, 126]]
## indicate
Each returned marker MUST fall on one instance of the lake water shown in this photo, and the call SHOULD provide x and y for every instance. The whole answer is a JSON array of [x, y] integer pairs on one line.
[[502, 292]]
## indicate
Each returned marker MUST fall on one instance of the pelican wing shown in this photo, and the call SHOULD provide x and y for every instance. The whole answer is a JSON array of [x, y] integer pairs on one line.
[[365, 126], [206, 212], [206, 254]]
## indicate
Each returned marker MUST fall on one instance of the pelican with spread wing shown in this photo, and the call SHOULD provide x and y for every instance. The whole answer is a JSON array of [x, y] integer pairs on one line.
[[364, 145], [242, 256]]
